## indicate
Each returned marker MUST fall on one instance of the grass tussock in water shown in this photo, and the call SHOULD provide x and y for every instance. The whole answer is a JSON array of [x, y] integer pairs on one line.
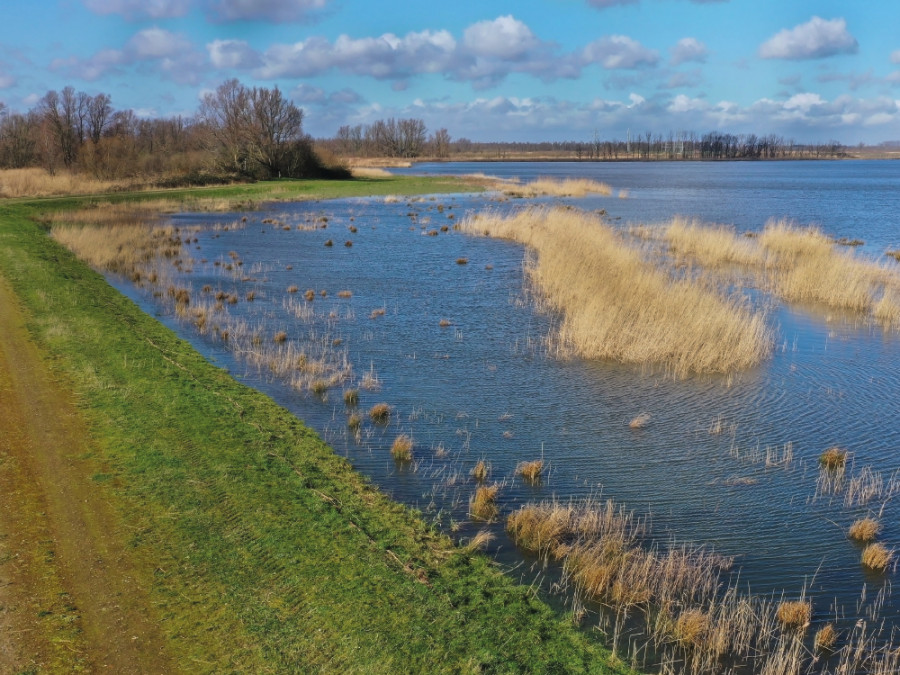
[[483, 504], [402, 448], [616, 305], [864, 529], [794, 614], [833, 458], [877, 557]]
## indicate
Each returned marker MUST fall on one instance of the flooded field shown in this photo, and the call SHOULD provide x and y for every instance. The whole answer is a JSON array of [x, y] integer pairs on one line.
[[334, 307]]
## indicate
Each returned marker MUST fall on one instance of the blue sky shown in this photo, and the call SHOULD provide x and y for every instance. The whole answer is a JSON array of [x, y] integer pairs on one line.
[[488, 70]]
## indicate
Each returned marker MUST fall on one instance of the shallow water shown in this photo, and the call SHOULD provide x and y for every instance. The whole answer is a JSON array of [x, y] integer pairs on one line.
[[483, 387]]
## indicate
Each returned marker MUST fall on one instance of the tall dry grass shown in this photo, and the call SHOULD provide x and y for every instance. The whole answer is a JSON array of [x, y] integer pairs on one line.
[[552, 187], [35, 182], [795, 263], [616, 305]]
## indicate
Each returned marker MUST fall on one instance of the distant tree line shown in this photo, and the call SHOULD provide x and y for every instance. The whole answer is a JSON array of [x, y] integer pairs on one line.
[[408, 138], [398, 138], [238, 133]]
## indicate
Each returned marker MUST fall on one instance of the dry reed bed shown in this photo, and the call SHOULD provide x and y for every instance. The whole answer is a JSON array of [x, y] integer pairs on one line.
[[35, 182], [615, 305], [551, 187], [796, 264], [695, 619]]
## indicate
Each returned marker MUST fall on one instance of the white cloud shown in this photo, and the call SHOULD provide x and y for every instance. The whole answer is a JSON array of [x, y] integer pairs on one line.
[[688, 49], [895, 56], [487, 52], [140, 9], [815, 39], [690, 78], [684, 104], [619, 51], [226, 54], [276, 11], [156, 43], [504, 38], [166, 52], [6, 81]]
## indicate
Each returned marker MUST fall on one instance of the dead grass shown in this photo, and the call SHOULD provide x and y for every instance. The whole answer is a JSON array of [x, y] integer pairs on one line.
[[794, 614], [826, 637], [481, 471], [531, 471], [36, 182], [345, 294], [544, 186], [615, 305], [877, 557], [833, 458], [483, 504], [864, 529], [351, 398], [712, 245], [691, 627], [380, 413], [402, 448]]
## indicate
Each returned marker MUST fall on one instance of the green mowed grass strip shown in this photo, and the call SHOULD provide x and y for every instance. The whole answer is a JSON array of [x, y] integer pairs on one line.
[[263, 550]]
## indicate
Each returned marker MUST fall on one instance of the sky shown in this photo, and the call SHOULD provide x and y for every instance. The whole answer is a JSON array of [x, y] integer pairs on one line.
[[492, 70]]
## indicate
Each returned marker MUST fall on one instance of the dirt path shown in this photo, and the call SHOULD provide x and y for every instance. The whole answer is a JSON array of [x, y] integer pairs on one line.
[[69, 599]]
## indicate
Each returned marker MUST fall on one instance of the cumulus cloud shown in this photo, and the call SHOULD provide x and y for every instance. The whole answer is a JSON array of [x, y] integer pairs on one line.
[[140, 9], [688, 79], [486, 53], [276, 11], [688, 49], [168, 53], [504, 38], [815, 39], [619, 51], [228, 54]]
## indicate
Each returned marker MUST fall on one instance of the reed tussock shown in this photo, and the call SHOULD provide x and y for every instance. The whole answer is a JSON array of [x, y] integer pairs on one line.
[[483, 504], [481, 471], [402, 448], [833, 458], [794, 614], [877, 557], [826, 637], [615, 305], [531, 471], [864, 529], [380, 413]]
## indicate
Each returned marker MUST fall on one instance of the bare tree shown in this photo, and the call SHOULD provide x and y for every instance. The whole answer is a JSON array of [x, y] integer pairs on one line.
[[440, 143], [99, 111]]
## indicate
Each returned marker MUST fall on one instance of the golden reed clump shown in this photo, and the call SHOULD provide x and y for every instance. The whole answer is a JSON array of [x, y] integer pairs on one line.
[[616, 305]]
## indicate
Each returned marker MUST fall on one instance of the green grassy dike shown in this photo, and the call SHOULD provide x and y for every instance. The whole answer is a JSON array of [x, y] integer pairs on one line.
[[263, 551]]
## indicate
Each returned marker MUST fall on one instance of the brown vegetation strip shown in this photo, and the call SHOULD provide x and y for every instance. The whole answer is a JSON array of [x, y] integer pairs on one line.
[[70, 598]]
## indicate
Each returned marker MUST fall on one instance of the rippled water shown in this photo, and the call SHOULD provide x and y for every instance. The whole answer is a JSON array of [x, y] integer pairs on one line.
[[484, 388]]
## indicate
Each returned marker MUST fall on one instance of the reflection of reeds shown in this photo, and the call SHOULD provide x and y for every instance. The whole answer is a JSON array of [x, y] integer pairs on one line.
[[616, 305]]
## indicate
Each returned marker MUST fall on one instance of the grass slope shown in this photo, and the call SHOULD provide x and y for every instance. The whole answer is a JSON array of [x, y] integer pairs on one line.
[[262, 550]]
